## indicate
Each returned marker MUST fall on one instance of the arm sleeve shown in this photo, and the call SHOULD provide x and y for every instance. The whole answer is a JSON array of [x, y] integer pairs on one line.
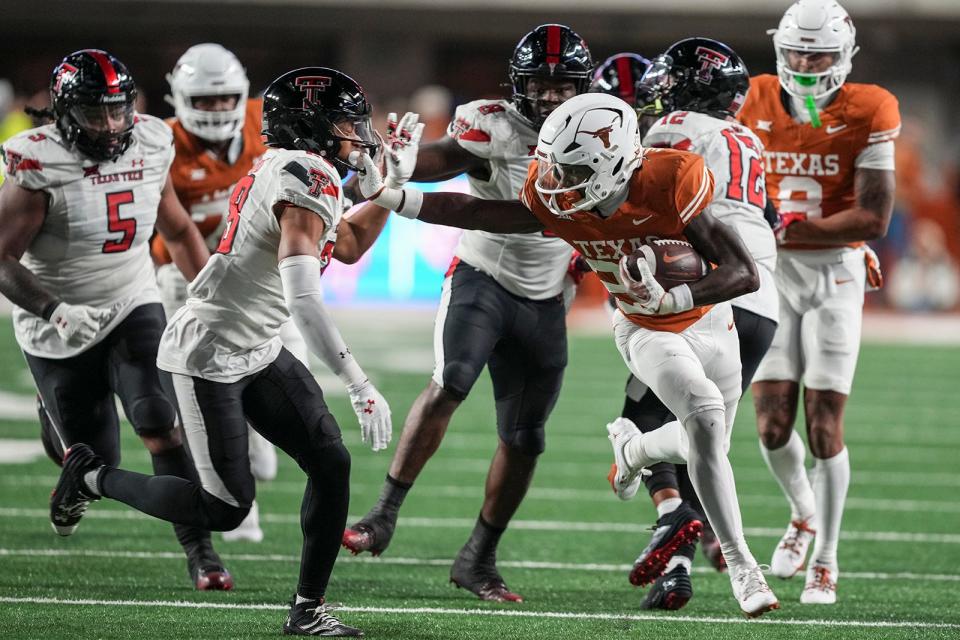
[[300, 276]]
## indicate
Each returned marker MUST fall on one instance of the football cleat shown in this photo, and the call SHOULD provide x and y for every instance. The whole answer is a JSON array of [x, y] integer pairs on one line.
[[671, 591], [821, 585], [710, 546], [791, 552], [673, 530], [313, 618], [372, 533], [249, 530], [752, 592], [71, 497], [624, 481], [206, 569], [481, 578]]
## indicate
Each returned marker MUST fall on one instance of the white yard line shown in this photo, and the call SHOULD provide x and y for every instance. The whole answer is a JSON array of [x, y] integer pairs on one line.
[[494, 613], [530, 525], [589, 567]]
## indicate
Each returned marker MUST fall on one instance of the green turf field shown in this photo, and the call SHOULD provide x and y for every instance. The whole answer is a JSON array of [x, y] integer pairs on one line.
[[122, 575]]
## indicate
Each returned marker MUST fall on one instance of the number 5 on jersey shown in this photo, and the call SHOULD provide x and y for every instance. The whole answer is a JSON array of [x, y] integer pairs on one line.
[[116, 224], [237, 200]]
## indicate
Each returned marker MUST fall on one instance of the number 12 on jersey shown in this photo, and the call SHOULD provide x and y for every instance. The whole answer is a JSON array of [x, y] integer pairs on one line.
[[745, 186]]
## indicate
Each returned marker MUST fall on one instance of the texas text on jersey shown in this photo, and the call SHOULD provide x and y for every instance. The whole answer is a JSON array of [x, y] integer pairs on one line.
[[203, 181], [651, 211], [229, 326], [811, 170], [529, 265], [93, 248]]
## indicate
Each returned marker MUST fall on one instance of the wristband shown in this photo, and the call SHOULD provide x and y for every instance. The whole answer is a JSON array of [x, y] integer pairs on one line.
[[406, 202], [681, 297], [48, 309]]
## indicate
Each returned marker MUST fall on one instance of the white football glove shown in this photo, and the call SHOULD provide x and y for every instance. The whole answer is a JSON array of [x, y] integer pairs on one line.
[[650, 295], [78, 324], [403, 144], [406, 201], [373, 412]]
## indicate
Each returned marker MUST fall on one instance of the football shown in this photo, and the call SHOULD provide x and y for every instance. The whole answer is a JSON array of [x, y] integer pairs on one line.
[[673, 262]]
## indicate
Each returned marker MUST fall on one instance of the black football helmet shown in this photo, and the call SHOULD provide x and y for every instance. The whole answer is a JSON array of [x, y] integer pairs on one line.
[[696, 74], [619, 75], [549, 51], [92, 96], [314, 109]]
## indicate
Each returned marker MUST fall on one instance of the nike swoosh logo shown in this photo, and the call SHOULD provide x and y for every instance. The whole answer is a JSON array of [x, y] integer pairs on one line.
[[667, 258], [641, 220], [845, 281], [831, 129]]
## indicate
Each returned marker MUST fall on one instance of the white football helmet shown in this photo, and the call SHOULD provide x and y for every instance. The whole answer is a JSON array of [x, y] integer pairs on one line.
[[209, 70], [587, 150], [815, 26]]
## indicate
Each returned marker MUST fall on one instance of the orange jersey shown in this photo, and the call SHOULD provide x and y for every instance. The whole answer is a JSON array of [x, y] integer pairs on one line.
[[203, 182], [811, 170], [669, 190]]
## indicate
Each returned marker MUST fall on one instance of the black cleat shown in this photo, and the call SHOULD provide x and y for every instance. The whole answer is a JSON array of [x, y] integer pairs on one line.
[[671, 591], [206, 569], [71, 497], [481, 577], [313, 618], [372, 533], [672, 531]]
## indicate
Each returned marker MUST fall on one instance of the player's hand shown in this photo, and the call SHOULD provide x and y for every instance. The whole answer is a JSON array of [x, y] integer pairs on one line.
[[577, 268], [786, 219], [650, 295], [874, 274], [403, 144], [78, 324], [369, 179], [373, 412]]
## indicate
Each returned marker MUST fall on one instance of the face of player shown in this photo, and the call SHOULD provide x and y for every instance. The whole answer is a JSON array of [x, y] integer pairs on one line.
[[104, 120], [354, 135], [810, 61], [216, 103], [565, 182], [546, 94]]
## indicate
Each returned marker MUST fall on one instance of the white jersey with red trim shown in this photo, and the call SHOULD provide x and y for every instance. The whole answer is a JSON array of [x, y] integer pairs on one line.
[[93, 247], [531, 265], [229, 327], [735, 156]]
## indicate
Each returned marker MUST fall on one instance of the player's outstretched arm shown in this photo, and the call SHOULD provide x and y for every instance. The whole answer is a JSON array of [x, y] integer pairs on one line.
[[735, 273], [299, 259], [868, 220], [445, 159], [181, 236], [22, 212], [467, 212]]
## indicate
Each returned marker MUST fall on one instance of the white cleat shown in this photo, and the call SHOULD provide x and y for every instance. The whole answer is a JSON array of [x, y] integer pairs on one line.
[[791, 552], [624, 480], [263, 456], [249, 530], [821, 585], [752, 592]]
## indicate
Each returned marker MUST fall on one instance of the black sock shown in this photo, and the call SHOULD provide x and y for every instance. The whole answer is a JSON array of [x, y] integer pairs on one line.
[[392, 496], [484, 539]]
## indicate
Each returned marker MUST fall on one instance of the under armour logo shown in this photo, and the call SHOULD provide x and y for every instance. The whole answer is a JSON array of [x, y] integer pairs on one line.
[[369, 407], [709, 60], [603, 134], [65, 71], [91, 171], [311, 87], [138, 162]]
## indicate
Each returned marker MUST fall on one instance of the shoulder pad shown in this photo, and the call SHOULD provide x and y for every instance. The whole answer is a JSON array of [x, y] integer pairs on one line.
[[37, 158], [152, 131]]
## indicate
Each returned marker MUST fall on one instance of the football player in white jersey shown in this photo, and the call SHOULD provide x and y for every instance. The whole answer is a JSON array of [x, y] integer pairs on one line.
[[223, 347], [697, 86], [501, 307], [81, 200]]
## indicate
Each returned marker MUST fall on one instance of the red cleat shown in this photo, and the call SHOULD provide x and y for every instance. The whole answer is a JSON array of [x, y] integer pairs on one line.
[[213, 578], [675, 529], [358, 540], [710, 546]]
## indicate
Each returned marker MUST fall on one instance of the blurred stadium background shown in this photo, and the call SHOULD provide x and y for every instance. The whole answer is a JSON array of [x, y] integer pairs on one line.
[[572, 540], [430, 55]]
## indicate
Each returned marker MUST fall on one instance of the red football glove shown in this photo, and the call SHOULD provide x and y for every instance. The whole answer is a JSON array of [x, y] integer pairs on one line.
[[577, 268], [786, 219], [874, 275]]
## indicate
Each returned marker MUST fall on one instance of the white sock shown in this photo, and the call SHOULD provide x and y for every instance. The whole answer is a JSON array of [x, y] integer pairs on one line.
[[681, 560], [668, 506], [830, 487], [90, 481], [301, 599], [667, 444], [712, 477], [786, 465]]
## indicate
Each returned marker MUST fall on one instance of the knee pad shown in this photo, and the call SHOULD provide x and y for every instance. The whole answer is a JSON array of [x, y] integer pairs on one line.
[[152, 415], [663, 475], [329, 461], [700, 396], [458, 378], [530, 440], [222, 516]]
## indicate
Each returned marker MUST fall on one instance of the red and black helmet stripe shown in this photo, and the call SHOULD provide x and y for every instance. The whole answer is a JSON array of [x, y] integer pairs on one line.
[[553, 44], [109, 73], [625, 76]]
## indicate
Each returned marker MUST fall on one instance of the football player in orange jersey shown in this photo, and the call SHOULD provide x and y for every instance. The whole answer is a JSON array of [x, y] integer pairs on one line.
[[216, 134], [594, 186], [830, 172]]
